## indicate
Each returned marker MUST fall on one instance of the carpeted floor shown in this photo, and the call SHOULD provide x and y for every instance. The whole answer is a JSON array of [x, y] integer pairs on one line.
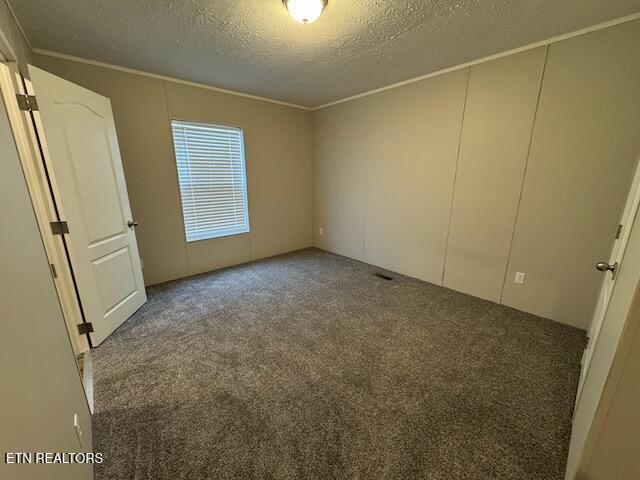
[[307, 366]]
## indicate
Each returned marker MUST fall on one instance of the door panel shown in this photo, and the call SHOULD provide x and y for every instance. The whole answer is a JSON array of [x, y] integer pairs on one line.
[[81, 151], [94, 179], [116, 279]]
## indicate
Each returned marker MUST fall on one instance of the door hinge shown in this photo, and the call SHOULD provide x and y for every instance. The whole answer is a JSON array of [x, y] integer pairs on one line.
[[54, 273], [59, 228], [618, 231], [85, 328], [27, 102]]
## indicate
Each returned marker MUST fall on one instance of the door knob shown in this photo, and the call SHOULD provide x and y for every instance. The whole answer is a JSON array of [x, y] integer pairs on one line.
[[604, 267], [131, 223]]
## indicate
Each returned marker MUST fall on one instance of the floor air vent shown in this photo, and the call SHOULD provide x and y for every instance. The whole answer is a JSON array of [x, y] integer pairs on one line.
[[382, 275]]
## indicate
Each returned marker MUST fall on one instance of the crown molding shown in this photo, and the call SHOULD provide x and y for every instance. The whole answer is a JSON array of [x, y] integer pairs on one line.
[[543, 43], [110, 66]]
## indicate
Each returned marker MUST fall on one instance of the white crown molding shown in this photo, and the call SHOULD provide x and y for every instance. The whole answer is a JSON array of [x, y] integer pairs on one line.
[[594, 28], [73, 58]]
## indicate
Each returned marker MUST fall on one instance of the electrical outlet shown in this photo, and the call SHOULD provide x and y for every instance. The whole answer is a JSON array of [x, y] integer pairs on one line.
[[321, 231], [76, 425], [519, 278]]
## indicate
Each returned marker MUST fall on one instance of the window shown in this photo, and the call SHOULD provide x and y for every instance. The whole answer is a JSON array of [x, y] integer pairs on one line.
[[212, 177]]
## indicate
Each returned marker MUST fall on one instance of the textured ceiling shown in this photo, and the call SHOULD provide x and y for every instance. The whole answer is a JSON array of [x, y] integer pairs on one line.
[[253, 46]]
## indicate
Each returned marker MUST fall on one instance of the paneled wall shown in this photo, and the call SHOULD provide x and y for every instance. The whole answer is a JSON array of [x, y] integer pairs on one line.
[[278, 159], [392, 146], [519, 164], [501, 103], [400, 232], [341, 148], [585, 143]]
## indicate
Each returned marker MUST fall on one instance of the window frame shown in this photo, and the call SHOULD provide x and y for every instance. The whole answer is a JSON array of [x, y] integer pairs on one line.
[[229, 232]]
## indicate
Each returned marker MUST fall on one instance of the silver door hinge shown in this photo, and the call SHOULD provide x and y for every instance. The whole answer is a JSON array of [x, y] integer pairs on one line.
[[59, 228], [85, 328], [27, 102], [54, 273], [618, 231]]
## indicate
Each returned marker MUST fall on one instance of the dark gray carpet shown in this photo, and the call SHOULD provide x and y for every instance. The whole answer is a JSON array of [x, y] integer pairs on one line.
[[306, 366]]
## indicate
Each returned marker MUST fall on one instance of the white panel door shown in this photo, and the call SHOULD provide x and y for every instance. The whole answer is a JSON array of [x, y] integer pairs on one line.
[[80, 148]]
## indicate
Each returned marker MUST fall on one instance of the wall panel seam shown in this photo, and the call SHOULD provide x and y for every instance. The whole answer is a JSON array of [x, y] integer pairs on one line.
[[524, 173], [311, 178], [455, 175], [187, 266], [366, 197]]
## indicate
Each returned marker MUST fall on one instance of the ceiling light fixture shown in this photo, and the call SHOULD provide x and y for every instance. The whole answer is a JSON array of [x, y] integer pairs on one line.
[[305, 11]]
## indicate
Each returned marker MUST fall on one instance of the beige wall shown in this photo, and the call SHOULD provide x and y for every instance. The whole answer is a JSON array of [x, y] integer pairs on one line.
[[278, 158], [41, 385], [341, 149], [554, 180], [585, 144], [13, 46], [498, 117], [372, 145], [413, 133]]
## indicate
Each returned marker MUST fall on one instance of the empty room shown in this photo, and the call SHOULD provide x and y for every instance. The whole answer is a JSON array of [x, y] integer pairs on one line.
[[319, 239]]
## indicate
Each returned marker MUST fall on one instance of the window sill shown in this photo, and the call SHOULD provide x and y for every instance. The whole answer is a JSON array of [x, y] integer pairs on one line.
[[209, 236]]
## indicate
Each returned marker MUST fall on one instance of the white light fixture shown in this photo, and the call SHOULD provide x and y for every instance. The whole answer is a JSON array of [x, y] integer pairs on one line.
[[305, 11]]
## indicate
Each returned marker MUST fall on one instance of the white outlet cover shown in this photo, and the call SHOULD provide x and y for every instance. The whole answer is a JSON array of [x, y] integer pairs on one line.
[[321, 230], [519, 278], [76, 425]]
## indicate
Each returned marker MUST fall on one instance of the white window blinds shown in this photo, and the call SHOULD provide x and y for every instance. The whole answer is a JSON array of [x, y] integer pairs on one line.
[[212, 177]]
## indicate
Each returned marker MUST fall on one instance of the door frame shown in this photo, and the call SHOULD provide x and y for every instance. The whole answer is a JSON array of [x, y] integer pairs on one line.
[[39, 185]]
